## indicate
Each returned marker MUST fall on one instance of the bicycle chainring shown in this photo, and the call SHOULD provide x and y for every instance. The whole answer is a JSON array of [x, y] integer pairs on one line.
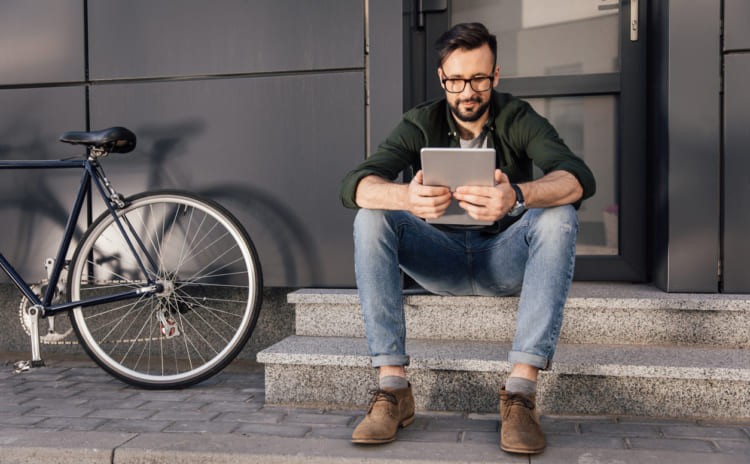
[[52, 337]]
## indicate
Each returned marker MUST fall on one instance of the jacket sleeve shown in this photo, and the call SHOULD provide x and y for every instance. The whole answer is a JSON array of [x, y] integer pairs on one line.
[[548, 151], [399, 151]]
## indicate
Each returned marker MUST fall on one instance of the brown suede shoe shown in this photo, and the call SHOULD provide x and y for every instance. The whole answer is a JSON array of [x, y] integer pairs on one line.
[[389, 410], [521, 431]]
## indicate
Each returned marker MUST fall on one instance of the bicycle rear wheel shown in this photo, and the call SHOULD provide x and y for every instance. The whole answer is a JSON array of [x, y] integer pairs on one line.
[[212, 290]]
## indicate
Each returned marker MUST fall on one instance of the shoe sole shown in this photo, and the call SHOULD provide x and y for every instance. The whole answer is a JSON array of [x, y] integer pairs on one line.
[[508, 449], [380, 441]]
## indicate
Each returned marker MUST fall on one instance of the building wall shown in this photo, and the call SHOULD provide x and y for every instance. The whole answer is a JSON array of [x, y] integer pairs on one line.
[[260, 105], [736, 168], [685, 143], [264, 106]]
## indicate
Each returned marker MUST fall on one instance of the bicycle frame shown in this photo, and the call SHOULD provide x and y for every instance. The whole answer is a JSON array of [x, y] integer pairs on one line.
[[92, 172]]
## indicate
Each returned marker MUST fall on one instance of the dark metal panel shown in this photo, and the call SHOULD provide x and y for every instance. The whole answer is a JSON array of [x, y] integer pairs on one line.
[[549, 86], [34, 204], [736, 25], [658, 149], [41, 41], [273, 150], [736, 254], [386, 68], [147, 38], [694, 144]]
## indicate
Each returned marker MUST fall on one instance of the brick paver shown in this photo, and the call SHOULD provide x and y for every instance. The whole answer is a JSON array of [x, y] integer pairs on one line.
[[84, 399]]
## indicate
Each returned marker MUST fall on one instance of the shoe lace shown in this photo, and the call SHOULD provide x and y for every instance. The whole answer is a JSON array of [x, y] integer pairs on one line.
[[382, 395], [517, 400]]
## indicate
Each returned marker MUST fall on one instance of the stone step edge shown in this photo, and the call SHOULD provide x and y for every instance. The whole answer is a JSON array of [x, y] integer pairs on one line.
[[590, 360], [496, 322], [582, 295]]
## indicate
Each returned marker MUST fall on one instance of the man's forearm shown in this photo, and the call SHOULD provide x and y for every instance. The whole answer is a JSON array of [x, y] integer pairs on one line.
[[555, 189], [374, 192]]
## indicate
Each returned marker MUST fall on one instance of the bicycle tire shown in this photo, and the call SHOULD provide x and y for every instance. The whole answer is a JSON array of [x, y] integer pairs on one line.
[[212, 292]]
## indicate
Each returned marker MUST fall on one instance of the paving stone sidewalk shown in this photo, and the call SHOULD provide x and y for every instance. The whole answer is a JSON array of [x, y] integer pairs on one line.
[[72, 411]]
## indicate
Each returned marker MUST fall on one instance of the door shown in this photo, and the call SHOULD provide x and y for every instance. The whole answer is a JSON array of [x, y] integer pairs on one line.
[[582, 65]]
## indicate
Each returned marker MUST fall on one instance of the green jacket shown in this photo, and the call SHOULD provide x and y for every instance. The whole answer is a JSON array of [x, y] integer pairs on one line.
[[518, 134]]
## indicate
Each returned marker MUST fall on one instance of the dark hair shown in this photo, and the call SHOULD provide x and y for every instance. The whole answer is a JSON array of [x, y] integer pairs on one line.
[[465, 36]]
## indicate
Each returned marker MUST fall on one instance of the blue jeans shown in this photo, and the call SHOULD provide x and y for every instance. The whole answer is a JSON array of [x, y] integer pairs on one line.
[[535, 255]]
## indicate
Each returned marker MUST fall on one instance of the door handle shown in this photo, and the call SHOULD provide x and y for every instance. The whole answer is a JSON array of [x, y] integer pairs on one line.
[[633, 20], [429, 6]]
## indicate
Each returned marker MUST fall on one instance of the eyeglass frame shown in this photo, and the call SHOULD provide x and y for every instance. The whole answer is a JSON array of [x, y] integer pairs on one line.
[[469, 81]]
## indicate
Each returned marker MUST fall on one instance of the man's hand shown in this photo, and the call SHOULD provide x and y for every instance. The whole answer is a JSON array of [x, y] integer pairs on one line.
[[487, 203], [425, 201]]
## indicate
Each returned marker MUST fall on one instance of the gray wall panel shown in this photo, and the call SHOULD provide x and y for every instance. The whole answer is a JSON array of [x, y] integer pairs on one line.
[[41, 41], [736, 25], [736, 174], [694, 140], [272, 149], [34, 204], [386, 68], [156, 38]]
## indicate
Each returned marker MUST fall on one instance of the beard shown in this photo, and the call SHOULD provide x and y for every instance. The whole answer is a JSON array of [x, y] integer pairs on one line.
[[466, 116]]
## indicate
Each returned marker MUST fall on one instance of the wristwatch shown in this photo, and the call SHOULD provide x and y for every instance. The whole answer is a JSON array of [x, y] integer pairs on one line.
[[520, 205]]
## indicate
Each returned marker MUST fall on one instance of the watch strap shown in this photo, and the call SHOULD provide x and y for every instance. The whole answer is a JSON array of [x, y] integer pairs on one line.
[[519, 194]]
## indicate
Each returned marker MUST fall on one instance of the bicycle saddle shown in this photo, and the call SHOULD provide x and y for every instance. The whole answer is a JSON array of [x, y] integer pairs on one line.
[[112, 140]]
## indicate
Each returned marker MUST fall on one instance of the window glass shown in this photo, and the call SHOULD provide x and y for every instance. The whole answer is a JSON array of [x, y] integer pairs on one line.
[[548, 37], [588, 125]]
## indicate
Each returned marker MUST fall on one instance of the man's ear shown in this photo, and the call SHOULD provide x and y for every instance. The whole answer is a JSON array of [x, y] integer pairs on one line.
[[496, 79], [440, 77]]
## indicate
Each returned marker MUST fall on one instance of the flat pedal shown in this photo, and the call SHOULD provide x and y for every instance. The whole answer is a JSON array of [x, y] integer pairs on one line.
[[24, 366]]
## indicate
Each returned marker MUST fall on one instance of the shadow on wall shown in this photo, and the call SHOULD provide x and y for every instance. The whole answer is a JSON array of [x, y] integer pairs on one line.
[[32, 203], [33, 211]]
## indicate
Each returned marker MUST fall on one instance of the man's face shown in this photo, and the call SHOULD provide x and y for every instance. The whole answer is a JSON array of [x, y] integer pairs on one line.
[[469, 105]]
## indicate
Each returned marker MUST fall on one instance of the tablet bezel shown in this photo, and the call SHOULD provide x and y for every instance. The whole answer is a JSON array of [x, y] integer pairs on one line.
[[454, 167]]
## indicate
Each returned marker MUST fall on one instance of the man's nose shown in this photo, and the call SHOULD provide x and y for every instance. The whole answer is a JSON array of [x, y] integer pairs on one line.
[[468, 91]]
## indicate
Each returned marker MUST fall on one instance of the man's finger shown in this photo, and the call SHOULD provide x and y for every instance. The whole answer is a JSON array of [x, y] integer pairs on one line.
[[463, 192], [480, 200], [418, 178], [477, 212], [501, 177]]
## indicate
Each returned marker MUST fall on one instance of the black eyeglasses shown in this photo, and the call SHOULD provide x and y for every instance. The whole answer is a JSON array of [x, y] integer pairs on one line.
[[478, 84]]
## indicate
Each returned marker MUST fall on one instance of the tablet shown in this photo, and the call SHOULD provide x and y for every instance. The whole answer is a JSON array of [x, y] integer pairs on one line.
[[454, 167]]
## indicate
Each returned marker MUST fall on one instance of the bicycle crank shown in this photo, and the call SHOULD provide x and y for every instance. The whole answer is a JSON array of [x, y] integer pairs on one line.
[[52, 337]]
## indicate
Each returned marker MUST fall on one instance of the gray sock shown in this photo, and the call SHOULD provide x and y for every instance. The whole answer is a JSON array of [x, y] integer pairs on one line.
[[520, 385], [393, 382]]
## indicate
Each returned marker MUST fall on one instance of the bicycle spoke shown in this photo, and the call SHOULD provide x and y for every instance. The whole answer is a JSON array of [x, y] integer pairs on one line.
[[207, 247], [208, 297], [138, 335], [198, 334], [198, 303], [193, 244], [214, 284], [239, 259], [212, 311]]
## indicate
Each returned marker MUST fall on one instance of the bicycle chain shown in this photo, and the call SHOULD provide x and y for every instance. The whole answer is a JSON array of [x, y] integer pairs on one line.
[[53, 338], [58, 338]]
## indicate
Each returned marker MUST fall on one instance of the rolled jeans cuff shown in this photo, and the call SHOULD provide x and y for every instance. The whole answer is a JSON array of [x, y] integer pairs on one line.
[[518, 357], [390, 360]]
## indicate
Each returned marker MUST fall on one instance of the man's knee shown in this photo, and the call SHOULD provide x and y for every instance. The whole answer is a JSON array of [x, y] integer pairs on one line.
[[559, 217], [557, 222], [369, 223]]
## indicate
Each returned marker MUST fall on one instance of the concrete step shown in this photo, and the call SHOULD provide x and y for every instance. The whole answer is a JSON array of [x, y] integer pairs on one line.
[[594, 314], [674, 382]]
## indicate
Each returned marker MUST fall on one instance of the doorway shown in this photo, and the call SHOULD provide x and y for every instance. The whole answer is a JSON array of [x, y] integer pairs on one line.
[[582, 65]]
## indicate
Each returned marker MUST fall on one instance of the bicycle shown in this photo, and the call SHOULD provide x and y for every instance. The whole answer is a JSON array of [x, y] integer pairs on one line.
[[164, 288]]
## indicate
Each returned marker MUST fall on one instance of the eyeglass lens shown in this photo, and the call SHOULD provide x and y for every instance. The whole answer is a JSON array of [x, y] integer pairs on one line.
[[478, 84]]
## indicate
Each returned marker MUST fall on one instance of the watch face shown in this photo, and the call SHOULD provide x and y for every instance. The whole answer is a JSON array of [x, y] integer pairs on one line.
[[517, 209]]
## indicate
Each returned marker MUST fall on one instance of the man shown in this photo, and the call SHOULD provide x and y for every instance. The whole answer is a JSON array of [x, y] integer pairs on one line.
[[530, 246]]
